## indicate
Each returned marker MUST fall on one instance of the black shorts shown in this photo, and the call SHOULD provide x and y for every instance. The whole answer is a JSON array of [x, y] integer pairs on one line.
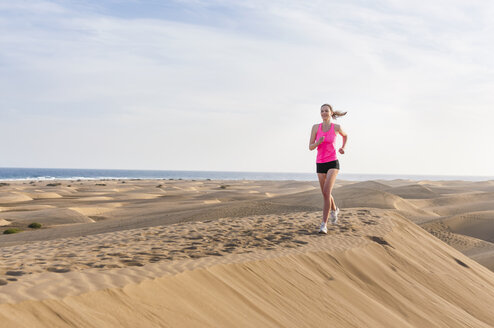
[[325, 167]]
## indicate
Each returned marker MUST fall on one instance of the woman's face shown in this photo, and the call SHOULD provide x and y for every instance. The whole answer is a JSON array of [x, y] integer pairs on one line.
[[325, 112]]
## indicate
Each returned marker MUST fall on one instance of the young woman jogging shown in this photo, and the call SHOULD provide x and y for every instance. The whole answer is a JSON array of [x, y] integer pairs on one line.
[[323, 138]]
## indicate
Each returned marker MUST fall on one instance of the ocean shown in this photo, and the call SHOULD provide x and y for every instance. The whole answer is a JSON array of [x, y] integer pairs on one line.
[[8, 173]]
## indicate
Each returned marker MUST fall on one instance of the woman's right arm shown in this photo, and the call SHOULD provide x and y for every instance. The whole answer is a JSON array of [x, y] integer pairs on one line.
[[312, 142]]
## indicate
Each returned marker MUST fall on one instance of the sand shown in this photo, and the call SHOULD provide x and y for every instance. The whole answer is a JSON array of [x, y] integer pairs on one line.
[[159, 253]]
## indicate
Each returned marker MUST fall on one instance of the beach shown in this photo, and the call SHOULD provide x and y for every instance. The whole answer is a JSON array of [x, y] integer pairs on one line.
[[243, 253]]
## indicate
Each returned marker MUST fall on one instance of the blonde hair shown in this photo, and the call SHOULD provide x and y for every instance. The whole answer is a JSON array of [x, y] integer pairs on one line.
[[335, 114]]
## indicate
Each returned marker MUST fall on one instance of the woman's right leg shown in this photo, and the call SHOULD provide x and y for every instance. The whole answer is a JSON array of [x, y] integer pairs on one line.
[[327, 197]]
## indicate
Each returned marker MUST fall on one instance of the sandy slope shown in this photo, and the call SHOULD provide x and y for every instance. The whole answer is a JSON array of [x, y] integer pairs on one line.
[[246, 253], [459, 213], [386, 272]]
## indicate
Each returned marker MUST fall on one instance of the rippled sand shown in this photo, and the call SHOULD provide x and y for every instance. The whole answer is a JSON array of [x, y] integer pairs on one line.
[[245, 253]]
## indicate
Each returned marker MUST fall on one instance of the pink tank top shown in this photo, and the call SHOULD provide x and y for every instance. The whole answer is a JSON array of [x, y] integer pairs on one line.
[[326, 151]]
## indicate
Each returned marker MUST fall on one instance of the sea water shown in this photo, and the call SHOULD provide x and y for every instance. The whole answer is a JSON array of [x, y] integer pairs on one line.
[[74, 174]]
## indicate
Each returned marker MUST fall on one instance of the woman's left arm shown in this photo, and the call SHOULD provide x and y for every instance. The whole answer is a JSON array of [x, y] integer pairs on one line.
[[345, 139]]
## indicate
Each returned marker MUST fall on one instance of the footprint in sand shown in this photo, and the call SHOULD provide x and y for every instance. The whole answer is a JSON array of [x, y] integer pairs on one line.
[[368, 221], [379, 240], [58, 269], [213, 253], [188, 241], [131, 263]]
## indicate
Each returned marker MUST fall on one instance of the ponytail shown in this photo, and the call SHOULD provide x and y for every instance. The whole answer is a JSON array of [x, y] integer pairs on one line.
[[335, 113]]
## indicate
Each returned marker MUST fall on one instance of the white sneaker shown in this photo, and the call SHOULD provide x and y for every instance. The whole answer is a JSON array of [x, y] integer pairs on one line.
[[334, 216], [324, 228]]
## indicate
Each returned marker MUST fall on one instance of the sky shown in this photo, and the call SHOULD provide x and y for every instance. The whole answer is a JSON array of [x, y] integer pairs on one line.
[[226, 85]]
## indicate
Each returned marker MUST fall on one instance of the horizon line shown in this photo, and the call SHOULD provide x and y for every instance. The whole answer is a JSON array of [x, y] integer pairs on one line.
[[277, 172]]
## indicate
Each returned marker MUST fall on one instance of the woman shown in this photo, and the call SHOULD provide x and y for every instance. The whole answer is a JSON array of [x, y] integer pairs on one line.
[[323, 137]]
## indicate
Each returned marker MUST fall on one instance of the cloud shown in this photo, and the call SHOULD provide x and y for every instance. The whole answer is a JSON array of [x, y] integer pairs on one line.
[[245, 78]]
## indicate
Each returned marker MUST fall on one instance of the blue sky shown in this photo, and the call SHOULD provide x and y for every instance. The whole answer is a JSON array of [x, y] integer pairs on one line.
[[237, 85]]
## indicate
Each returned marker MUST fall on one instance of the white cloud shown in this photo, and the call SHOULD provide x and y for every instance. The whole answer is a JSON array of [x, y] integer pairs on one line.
[[36, 7], [241, 94]]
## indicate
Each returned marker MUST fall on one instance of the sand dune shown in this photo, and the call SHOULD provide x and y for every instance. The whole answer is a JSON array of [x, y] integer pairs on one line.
[[414, 191], [137, 195], [212, 201], [123, 189], [386, 274], [440, 190], [43, 195], [460, 213], [459, 199], [51, 216], [463, 243], [463, 206], [24, 207], [152, 205], [363, 197], [368, 185], [91, 210], [484, 256], [475, 224], [403, 189], [95, 198], [459, 186], [13, 197], [149, 253], [220, 241]]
